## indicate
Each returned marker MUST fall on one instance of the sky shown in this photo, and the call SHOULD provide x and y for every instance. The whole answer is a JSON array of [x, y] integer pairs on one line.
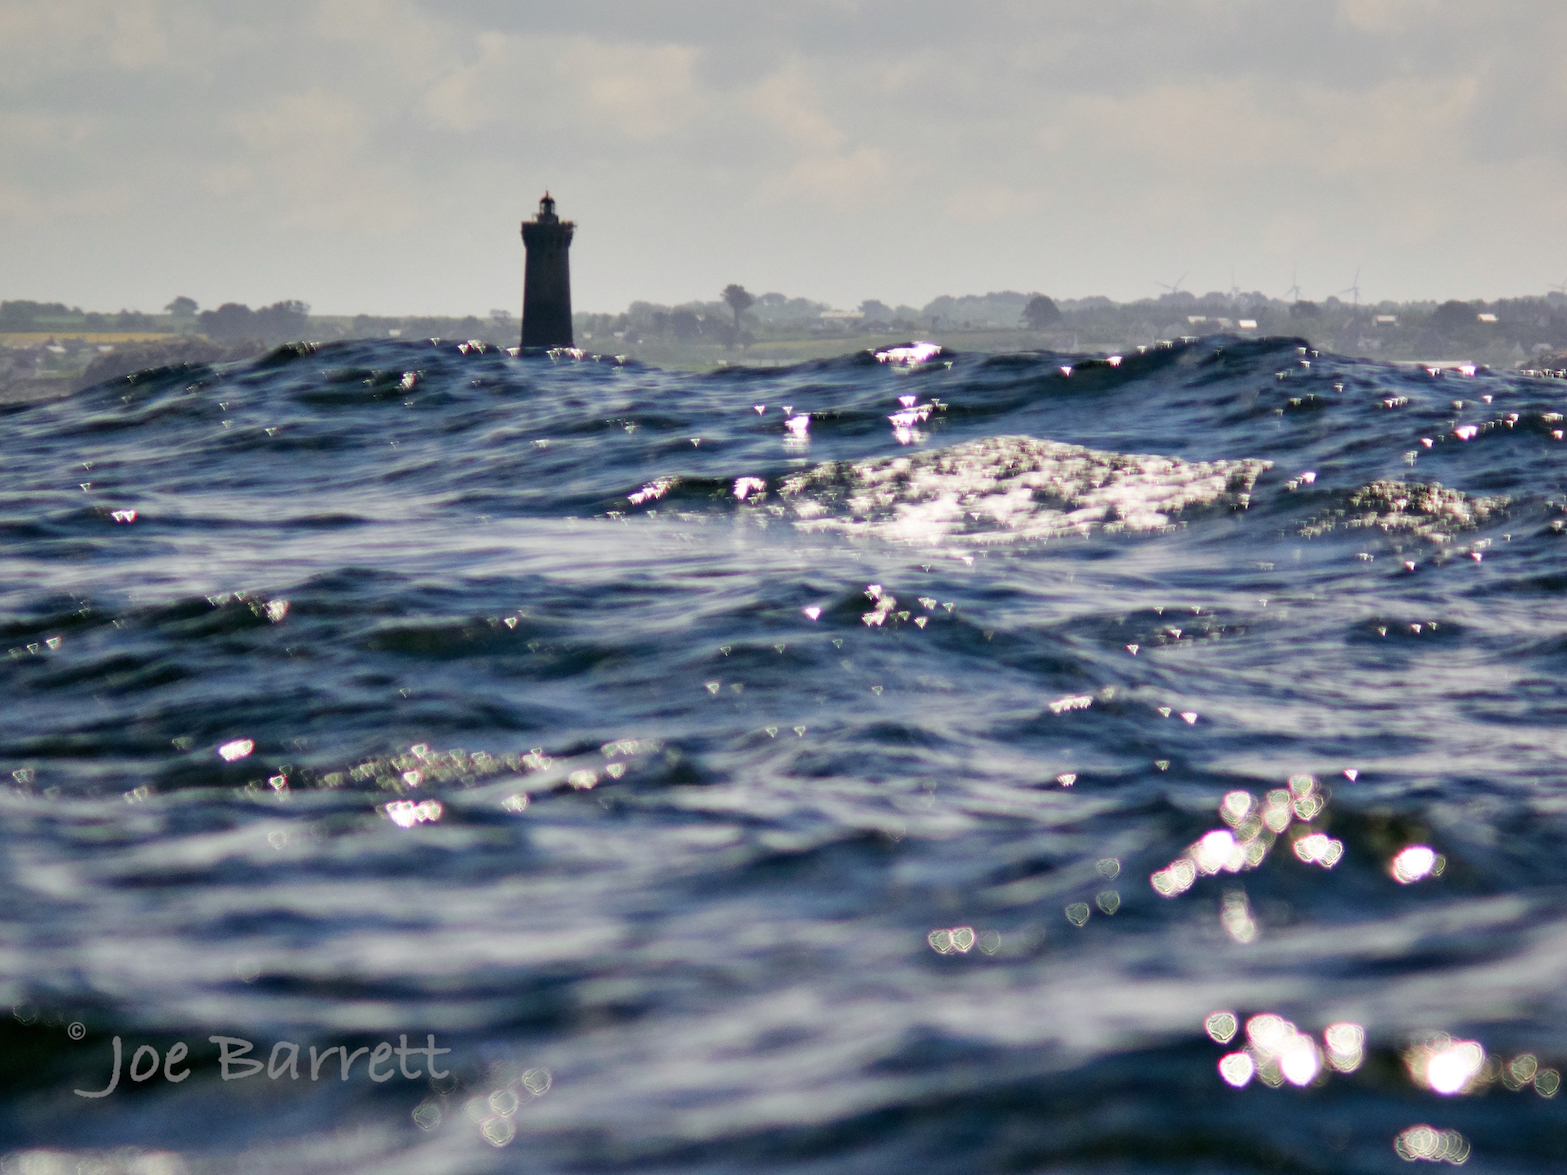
[[377, 156]]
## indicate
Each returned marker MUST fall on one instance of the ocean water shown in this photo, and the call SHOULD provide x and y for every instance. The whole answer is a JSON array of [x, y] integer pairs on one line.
[[949, 763]]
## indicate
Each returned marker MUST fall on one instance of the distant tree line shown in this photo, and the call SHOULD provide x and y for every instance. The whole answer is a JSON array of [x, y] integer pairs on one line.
[[278, 323], [740, 316], [22, 316], [230, 322]]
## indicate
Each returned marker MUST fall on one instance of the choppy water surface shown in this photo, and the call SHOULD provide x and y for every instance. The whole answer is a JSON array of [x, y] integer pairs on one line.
[[1012, 763]]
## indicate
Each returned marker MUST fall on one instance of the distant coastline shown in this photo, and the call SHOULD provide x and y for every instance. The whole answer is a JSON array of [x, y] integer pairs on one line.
[[48, 350]]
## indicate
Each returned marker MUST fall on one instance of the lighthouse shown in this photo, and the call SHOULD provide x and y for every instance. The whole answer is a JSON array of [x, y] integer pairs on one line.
[[546, 287]]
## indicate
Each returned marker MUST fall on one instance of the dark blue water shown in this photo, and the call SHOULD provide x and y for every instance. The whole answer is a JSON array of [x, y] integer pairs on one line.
[[849, 767]]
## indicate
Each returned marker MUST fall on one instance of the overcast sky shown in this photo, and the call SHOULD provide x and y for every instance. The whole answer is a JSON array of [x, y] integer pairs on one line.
[[377, 155]]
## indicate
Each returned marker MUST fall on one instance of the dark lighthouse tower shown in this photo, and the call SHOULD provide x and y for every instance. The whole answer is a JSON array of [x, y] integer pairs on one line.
[[546, 287]]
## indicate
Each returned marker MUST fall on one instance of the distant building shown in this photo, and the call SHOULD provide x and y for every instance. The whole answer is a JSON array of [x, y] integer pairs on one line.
[[546, 286], [1386, 320], [1486, 317]]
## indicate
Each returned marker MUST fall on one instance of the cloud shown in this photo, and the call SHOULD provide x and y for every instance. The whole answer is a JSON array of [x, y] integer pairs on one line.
[[465, 98], [40, 39], [788, 104], [138, 38], [989, 203], [809, 156], [47, 130], [308, 154], [642, 92], [697, 139], [229, 179], [839, 179], [27, 207], [1392, 16]]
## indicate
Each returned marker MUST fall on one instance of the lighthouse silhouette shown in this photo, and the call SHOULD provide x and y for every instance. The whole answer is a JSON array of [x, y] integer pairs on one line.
[[546, 286]]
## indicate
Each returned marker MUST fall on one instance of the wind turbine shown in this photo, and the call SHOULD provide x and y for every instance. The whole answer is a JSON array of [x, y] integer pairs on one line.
[[1235, 290], [1560, 287], [1294, 290], [1354, 289], [1173, 287]]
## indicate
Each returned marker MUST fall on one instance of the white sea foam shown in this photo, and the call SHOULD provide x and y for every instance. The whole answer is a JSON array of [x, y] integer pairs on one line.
[[1426, 510], [1011, 488]]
